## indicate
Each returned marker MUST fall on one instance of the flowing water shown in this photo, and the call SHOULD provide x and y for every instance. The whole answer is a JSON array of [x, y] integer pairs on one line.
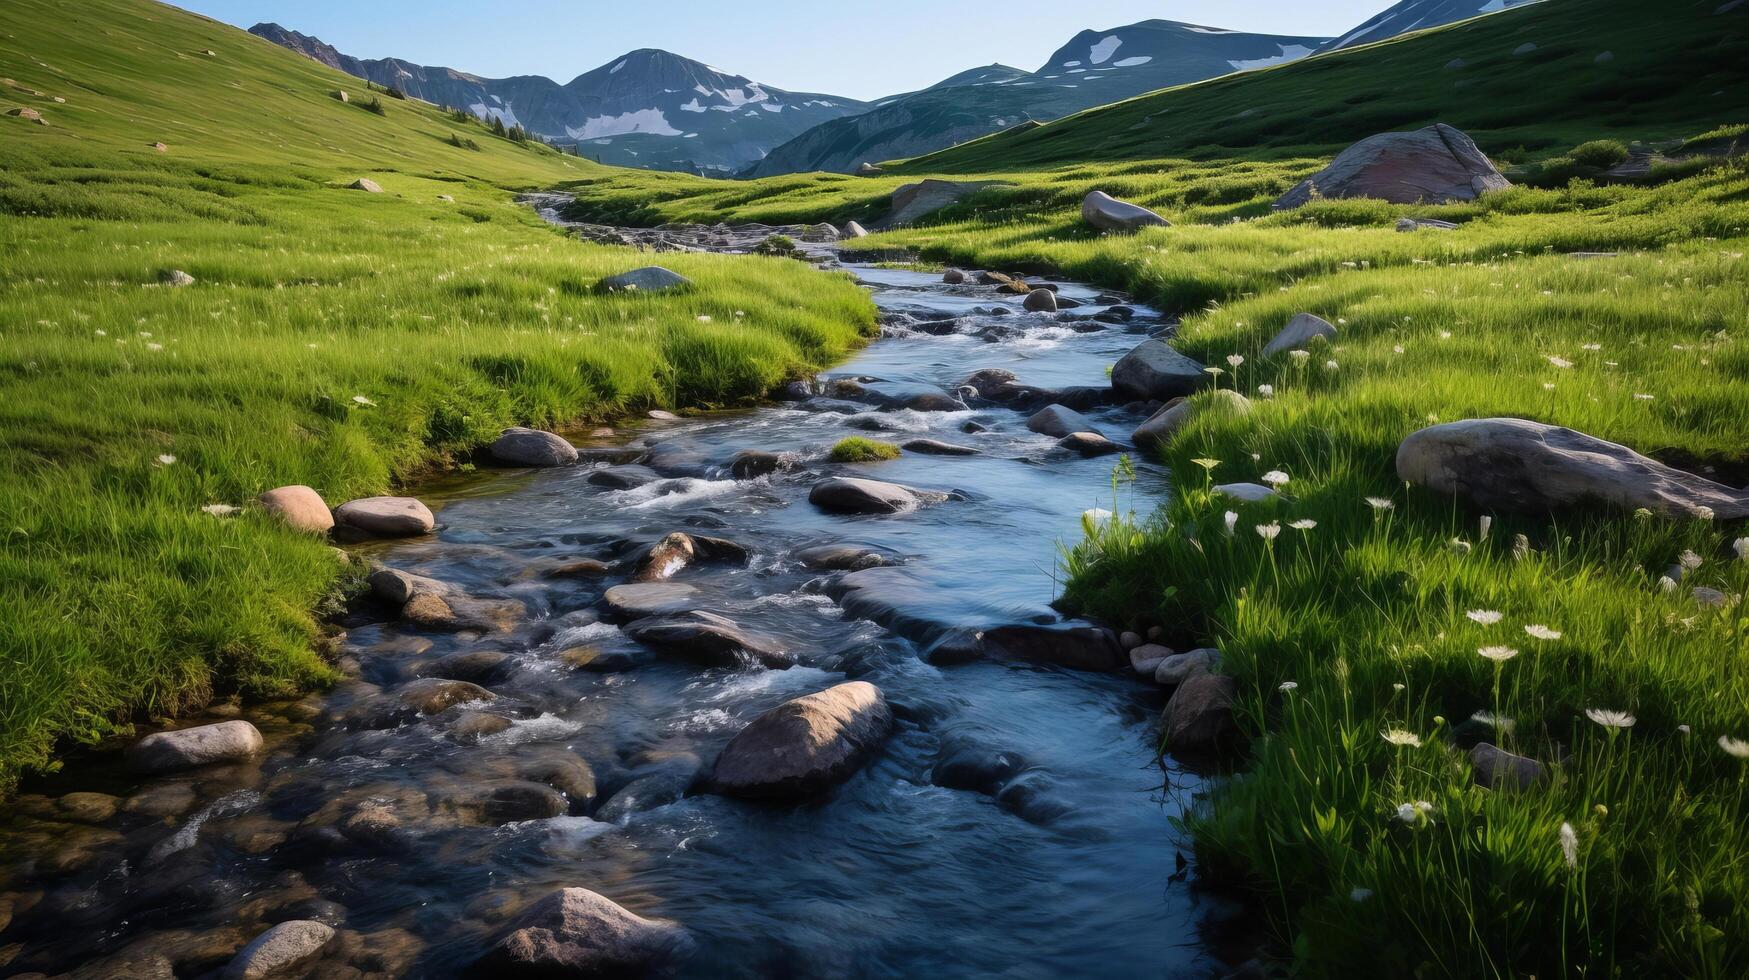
[[1068, 867]]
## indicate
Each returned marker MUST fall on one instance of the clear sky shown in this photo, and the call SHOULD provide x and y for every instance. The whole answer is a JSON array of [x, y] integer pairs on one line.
[[856, 48]]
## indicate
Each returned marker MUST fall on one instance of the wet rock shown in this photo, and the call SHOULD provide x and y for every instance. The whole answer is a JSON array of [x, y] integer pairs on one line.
[[397, 587], [187, 748], [471, 666], [1515, 464], [1156, 433], [1154, 370], [1199, 718], [1078, 645], [580, 568], [1032, 796], [299, 506], [750, 464], [388, 517], [1432, 165], [576, 933], [531, 447], [1301, 332], [1146, 659], [967, 765], [432, 695], [1059, 421], [653, 785], [678, 549], [650, 599], [365, 184], [650, 279], [517, 800], [932, 447], [471, 726], [1088, 444], [857, 496], [953, 277], [1040, 301], [161, 800], [1107, 213], [802, 747], [281, 950], [710, 639], [458, 613], [1176, 668], [840, 558], [559, 768], [79, 807], [624, 476], [1496, 768]]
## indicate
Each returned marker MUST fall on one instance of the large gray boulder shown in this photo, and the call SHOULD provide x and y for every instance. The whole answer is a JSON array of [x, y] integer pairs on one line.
[[280, 951], [576, 933], [1154, 371], [1302, 331], [1107, 213], [856, 496], [649, 279], [386, 517], [518, 446], [187, 748], [640, 599], [1055, 420], [804, 746], [1428, 166], [919, 200], [1515, 464], [1156, 433], [1040, 301], [299, 506]]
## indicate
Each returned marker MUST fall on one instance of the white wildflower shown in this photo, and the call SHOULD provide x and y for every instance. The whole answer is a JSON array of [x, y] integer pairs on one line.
[[1542, 632], [1275, 478], [704, 318], [1270, 531], [1610, 719], [360, 399], [1266, 391], [1736, 748], [1560, 362], [1741, 546], [1232, 521], [1458, 546], [1499, 654], [1303, 524], [1487, 617], [165, 459], [1234, 360], [1569, 845], [1330, 365], [1380, 503], [1300, 356], [1287, 686], [1397, 736], [1666, 583], [1688, 560], [1484, 524]]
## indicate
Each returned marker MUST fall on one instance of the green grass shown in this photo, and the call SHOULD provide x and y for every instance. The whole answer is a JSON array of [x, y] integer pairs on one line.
[[345, 340], [857, 449], [1669, 76], [1366, 601]]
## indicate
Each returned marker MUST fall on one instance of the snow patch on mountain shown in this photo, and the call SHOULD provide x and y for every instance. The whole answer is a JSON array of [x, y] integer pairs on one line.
[[1289, 52], [650, 121], [1103, 51]]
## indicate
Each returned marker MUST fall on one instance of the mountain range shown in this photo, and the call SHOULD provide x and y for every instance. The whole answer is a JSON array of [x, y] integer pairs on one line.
[[652, 109], [649, 108]]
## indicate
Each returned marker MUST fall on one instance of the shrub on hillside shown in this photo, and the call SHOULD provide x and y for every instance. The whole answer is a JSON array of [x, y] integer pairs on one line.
[[1601, 154]]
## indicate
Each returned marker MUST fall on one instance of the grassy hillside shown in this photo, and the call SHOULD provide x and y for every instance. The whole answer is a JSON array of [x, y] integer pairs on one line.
[[1672, 73], [332, 337]]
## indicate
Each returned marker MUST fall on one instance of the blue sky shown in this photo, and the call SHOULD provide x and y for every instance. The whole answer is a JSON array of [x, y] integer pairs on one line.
[[855, 48]]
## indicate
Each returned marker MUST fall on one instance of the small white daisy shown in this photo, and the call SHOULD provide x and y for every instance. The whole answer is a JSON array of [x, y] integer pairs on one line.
[[165, 459], [1610, 719], [1399, 737], [1487, 617], [1499, 654], [1303, 524], [1275, 478], [1569, 845], [1270, 531], [1380, 503], [1288, 686], [1542, 632]]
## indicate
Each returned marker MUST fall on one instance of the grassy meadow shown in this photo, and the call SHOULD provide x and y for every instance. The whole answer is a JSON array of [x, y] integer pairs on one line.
[[332, 337], [1353, 620]]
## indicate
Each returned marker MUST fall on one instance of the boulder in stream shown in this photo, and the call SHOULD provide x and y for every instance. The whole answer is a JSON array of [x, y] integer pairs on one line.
[[280, 951], [188, 748], [1082, 646], [1059, 421], [858, 496], [518, 446], [575, 932], [386, 517], [1153, 370], [802, 747], [1199, 717], [637, 600], [1088, 444], [709, 638]]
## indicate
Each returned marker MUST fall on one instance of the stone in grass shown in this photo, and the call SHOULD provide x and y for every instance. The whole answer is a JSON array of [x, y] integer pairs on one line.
[[387, 517], [1199, 718], [1249, 493], [280, 951], [1519, 465], [575, 932], [188, 748], [802, 747], [649, 279], [1107, 213], [176, 277], [518, 446], [1497, 768], [299, 506], [1180, 667], [1157, 432], [1432, 165], [365, 184], [1302, 331]]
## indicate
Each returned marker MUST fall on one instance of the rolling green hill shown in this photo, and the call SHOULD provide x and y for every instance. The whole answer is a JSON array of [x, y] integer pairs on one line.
[[332, 337], [1596, 68]]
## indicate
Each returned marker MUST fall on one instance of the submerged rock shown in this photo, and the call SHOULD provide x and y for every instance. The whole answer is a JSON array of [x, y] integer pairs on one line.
[[1432, 165], [575, 932], [709, 638], [624, 476], [658, 783], [933, 447], [678, 549], [1515, 464], [187, 748], [1088, 444], [1078, 645], [280, 950], [802, 747], [840, 558]]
